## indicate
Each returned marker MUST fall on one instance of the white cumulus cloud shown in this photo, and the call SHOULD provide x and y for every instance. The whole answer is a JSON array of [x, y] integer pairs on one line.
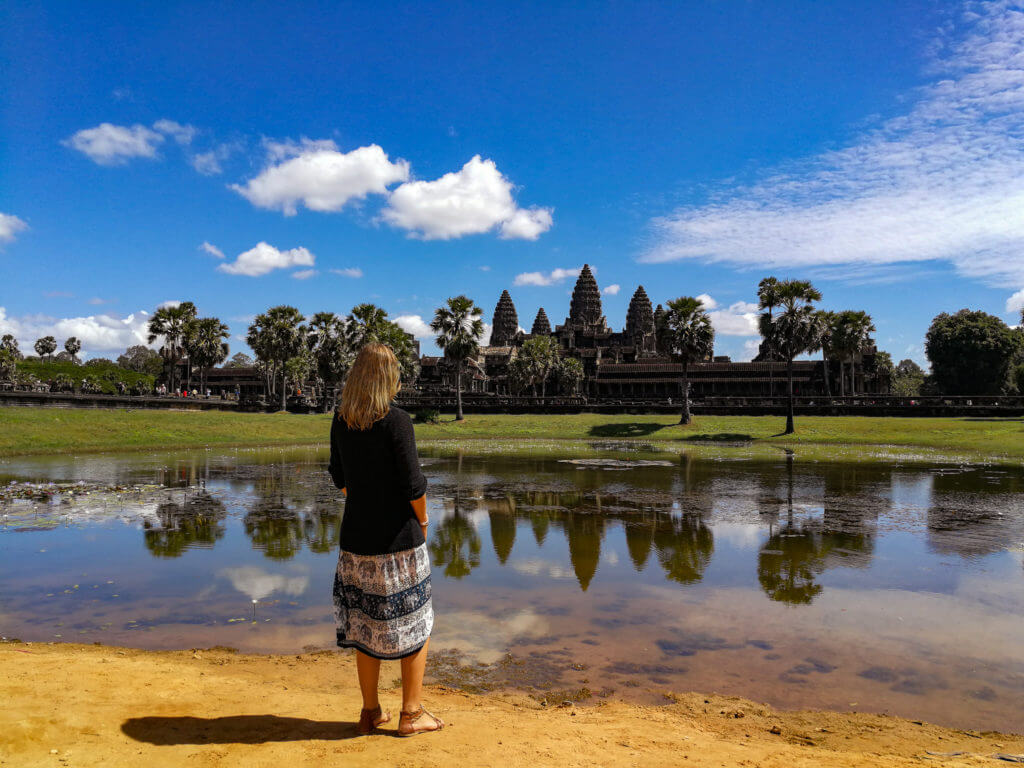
[[943, 181], [416, 325], [738, 319], [540, 278], [470, 201], [612, 290], [264, 258], [109, 144], [317, 175], [10, 226], [103, 335]]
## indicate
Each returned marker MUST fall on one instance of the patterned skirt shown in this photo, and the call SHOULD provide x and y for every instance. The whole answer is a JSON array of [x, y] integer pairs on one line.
[[382, 603]]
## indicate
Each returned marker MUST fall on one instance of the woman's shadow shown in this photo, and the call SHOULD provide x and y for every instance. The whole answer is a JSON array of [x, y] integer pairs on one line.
[[234, 729]]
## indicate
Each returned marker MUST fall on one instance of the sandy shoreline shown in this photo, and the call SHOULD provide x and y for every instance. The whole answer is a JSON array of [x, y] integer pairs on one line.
[[75, 705]]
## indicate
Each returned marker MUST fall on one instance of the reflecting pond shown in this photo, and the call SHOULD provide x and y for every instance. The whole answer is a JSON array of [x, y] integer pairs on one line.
[[878, 587]]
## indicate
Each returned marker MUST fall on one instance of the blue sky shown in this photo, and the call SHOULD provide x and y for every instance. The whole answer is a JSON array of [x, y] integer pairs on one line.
[[330, 154]]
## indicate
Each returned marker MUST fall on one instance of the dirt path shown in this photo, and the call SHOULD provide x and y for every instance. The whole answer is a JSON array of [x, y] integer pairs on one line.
[[73, 705]]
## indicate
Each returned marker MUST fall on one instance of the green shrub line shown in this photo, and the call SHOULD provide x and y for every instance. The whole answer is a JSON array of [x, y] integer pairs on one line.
[[30, 430]]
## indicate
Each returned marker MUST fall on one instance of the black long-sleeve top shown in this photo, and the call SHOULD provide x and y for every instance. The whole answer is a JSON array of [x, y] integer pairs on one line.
[[380, 468]]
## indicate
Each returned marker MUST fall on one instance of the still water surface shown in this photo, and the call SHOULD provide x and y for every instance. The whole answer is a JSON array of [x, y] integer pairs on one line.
[[873, 587]]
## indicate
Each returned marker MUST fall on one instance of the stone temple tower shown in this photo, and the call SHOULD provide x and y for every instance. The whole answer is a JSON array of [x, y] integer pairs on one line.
[[585, 307], [640, 322], [541, 325], [505, 324]]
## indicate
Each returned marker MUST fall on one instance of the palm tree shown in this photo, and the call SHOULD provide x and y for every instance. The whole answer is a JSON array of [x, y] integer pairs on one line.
[[276, 336], [854, 330], [45, 346], [793, 330], [825, 335], [332, 354], [73, 346], [170, 322], [206, 340], [768, 298], [689, 337], [368, 322], [459, 329]]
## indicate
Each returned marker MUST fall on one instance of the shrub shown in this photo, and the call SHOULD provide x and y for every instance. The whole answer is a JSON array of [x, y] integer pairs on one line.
[[428, 416]]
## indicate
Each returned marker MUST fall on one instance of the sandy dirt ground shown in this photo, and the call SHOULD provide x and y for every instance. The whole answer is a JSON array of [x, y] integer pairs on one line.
[[74, 705]]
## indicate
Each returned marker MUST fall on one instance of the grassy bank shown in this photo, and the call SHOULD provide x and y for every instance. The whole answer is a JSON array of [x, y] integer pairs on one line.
[[25, 430]]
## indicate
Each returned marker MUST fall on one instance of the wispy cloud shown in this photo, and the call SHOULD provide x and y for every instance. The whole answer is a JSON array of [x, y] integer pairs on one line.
[[551, 278], [612, 290], [944, 181], [347, 272], [212, 250], [10, 226]]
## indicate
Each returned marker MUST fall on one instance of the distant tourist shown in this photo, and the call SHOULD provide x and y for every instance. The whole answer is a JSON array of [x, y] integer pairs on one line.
[[383, 560]]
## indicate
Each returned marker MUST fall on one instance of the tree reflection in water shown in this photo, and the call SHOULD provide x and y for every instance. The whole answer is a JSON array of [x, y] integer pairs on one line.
[[456, 546], [685, 545], [287, 512], [197, 522]]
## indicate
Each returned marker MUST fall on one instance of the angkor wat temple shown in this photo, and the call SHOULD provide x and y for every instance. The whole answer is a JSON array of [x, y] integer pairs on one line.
[[628, 364]]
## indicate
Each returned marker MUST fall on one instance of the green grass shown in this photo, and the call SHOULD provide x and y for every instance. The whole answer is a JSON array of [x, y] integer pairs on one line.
[[27, 430]]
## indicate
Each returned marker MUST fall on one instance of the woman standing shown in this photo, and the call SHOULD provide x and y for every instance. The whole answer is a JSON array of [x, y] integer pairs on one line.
[[382, 604]]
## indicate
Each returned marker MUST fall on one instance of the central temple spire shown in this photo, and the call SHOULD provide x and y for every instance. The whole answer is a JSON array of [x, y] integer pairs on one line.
[[585, 306], [505, 323]]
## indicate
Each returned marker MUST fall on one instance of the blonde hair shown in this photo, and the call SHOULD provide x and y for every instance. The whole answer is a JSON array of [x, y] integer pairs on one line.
[[371, 385]]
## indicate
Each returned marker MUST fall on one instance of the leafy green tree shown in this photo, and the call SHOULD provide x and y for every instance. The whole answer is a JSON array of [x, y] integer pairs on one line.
[[794, 329], [298, 368], [907, 379], [541, 356], [569, 375], [276, 336], [170, 323], [240, 360], [206, 340], [10, 344], [459, 329], [520, 374], [45, 346], [73, 346], [970, 352], [8, 364], [142, 359], [689, 338]]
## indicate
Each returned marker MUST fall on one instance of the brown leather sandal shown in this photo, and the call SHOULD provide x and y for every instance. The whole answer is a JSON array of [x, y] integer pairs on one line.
[[371, 719], [406, 722]]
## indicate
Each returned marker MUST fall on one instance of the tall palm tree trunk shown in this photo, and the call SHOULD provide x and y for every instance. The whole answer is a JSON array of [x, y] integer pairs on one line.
[[458, 395], [684, 417], [790, 428], [828, 384], [284, 389]]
